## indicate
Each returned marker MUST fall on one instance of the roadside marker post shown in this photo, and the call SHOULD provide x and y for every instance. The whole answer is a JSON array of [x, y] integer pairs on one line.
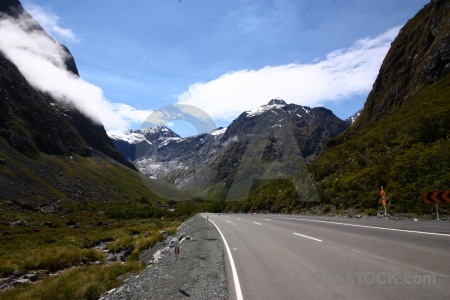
[[383, 200], [437, 212], [177, 266]]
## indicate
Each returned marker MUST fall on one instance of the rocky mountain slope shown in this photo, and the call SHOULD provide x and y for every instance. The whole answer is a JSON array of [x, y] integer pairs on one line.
[[50, 151], [207, 164], [418, 58], [401, 139]]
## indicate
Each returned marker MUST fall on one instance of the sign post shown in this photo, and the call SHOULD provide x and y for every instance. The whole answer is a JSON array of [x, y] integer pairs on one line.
[[177, 263], [436, 198], [383, 200]]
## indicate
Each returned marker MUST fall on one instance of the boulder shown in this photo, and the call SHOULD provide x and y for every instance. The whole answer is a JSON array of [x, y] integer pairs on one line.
[[17, 223]]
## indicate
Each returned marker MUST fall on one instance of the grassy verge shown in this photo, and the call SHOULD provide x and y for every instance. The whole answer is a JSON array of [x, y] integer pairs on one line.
[[46, 243], [77, 283]]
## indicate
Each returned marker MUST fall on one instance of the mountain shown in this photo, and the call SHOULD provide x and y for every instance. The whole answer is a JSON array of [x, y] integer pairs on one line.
[[401, 139], [50, 150], [146, 140], [350, 120], [208, 164]]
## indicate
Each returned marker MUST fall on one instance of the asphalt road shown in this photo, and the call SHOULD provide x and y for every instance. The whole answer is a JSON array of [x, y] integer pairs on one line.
[[303, 257]]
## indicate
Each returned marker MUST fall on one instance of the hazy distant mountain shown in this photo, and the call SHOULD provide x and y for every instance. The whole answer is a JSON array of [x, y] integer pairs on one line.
[[209, 162], [350, 120]]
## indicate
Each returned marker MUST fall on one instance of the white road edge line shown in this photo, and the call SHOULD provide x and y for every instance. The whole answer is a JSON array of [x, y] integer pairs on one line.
[[237, 286], [307, 237], [257, 223], [366, 226]]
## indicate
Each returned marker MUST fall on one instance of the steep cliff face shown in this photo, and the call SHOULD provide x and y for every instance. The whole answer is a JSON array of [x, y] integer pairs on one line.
[[51, 153], [418, 58], [33, 122], [401, 139]]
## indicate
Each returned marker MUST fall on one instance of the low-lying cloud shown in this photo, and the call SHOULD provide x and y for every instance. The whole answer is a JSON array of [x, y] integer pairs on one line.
[[41, 60], [343, 74]]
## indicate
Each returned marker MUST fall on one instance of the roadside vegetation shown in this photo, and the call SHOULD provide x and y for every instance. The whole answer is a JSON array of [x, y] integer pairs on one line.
[[408, 152], [47, 243], [60, 248]]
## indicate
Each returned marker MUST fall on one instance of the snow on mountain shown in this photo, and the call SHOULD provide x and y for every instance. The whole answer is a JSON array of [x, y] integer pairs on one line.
[[273, 104], [199, 162], [352, 119], [219, 131], [150, 135], [129, 135]]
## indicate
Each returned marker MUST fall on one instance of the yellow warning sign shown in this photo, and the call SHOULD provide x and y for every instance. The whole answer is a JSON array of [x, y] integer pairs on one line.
[[383, 197]]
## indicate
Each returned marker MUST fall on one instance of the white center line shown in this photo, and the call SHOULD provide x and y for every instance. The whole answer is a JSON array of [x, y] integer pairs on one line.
[[366, 226], [267, 219], [257, 223], [307, 237], [238, 219], [231, 223]]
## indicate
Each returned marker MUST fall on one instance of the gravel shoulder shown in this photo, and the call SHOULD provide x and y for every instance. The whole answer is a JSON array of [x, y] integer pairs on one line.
[[202, 267]]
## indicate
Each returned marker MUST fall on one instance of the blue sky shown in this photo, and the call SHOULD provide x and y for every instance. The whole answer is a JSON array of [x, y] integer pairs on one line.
[[226, 56]]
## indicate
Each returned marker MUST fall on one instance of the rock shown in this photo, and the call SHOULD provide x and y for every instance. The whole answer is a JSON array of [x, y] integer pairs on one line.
[[127, 253], [73, 224], [22, 281], [48, 209], [415, 220], [27, 206], [147, 256], [19, 273], [18, 223], [33, 277], [2, 161], [48, 224]]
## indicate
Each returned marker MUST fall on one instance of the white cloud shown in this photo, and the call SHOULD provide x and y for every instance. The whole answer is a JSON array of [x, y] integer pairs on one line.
[[42, 61], [131, 113], [343, 74], [49, 21]]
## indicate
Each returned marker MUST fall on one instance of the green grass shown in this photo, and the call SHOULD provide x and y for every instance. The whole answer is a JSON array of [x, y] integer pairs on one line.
[[36, 247], [79, 283]]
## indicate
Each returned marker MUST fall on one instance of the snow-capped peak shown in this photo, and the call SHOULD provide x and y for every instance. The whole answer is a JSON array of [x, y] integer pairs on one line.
[[128, 135], [219, 131], [273, 104]]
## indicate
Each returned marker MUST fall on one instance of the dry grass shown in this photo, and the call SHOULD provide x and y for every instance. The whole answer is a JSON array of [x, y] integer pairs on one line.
[[77, 283]]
